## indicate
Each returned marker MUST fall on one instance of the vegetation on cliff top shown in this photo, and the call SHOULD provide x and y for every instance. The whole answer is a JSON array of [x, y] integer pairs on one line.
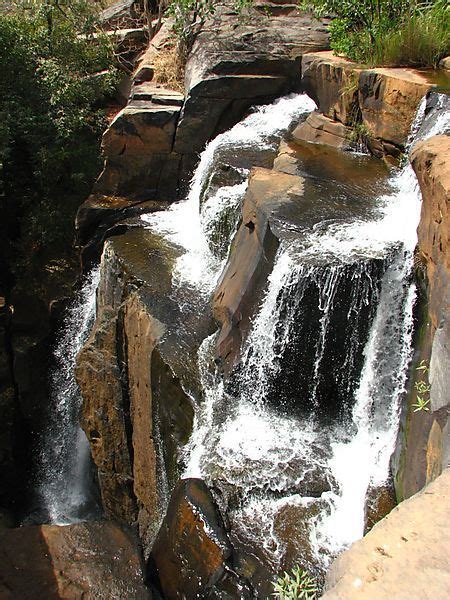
[[55, 72], [388, 32]]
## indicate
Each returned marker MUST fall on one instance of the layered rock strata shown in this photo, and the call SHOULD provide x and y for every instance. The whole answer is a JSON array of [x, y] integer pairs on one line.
[[378, 104]]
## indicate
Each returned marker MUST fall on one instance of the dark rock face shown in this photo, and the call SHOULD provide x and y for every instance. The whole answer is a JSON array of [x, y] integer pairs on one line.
[[136, 413], [191, 552], [88, 560], [426, 440], [8, 409]]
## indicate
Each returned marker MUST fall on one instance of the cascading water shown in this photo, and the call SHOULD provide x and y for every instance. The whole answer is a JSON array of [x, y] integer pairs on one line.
[[64, 474], [308, 425], [198, 224]]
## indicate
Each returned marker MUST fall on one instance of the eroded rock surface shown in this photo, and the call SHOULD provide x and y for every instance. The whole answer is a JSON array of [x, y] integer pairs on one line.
[[251, 259], [379, 103], [75, 562], [404, 556], [426, 435], [191, 552]]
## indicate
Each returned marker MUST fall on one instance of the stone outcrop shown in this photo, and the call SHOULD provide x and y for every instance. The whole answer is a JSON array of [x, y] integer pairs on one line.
[[379, 103], [190, 555], [320, 129], [240, 62], [425, 444], [138, 149], [250, 260], [404, 556], [152, 145], [136, 414], [87, 560]]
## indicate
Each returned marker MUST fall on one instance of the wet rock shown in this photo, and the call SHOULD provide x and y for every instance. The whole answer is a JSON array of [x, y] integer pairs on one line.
[[382, 101], [380, 500], [321, 130], [431, 162], [250, 260], [88, 560], [405, 554], [98, 213], [136, 413], [332, 82], [191, 551], [104, 419]]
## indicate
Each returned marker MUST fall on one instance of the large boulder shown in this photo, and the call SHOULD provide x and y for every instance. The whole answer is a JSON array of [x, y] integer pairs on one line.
[[404, 556], [250, 260], [75, 562], [192, 549]]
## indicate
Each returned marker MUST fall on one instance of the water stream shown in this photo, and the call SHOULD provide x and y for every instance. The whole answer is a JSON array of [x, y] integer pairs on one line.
[[309, 425], [65, 485]]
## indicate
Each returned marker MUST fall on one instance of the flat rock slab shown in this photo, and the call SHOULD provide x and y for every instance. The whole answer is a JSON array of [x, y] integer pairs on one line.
[[88, 560], [385, 98], [405, 556]]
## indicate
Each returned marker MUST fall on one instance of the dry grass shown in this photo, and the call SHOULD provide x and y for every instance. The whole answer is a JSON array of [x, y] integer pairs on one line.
[[169, 69]]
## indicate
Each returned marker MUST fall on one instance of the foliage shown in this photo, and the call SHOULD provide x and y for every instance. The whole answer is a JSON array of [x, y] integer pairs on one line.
[[190, 14], [295, 585], [387, 32], [422, 39], [423, 390], [56, 68]]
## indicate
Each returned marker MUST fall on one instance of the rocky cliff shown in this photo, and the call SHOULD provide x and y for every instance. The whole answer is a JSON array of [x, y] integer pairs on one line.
[[427, 444]]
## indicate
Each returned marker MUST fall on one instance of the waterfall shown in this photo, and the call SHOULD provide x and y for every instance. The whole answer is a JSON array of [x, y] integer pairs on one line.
[[195, 222], [310, 422], [64, 485]]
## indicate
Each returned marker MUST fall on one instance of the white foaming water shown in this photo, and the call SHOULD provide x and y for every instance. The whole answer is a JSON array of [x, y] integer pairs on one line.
[[266, 456], [65, 454], [364, 460], [183, 223]]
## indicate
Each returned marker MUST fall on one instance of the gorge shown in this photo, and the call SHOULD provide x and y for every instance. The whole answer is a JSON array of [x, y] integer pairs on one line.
[[264, 291]]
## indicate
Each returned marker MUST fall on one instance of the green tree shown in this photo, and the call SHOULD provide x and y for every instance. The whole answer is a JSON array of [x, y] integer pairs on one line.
[[56, 69]]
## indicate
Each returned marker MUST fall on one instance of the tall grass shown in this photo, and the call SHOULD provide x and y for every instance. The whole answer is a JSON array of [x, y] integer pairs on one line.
[[422, 39]]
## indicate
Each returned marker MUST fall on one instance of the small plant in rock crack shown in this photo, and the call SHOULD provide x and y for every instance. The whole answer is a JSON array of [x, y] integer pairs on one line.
[[297, 584], [423, 389]]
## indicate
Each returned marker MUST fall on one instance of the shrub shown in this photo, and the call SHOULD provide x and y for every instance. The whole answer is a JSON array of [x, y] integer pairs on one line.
[[388, 32], [55, 73], [295, 585]]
